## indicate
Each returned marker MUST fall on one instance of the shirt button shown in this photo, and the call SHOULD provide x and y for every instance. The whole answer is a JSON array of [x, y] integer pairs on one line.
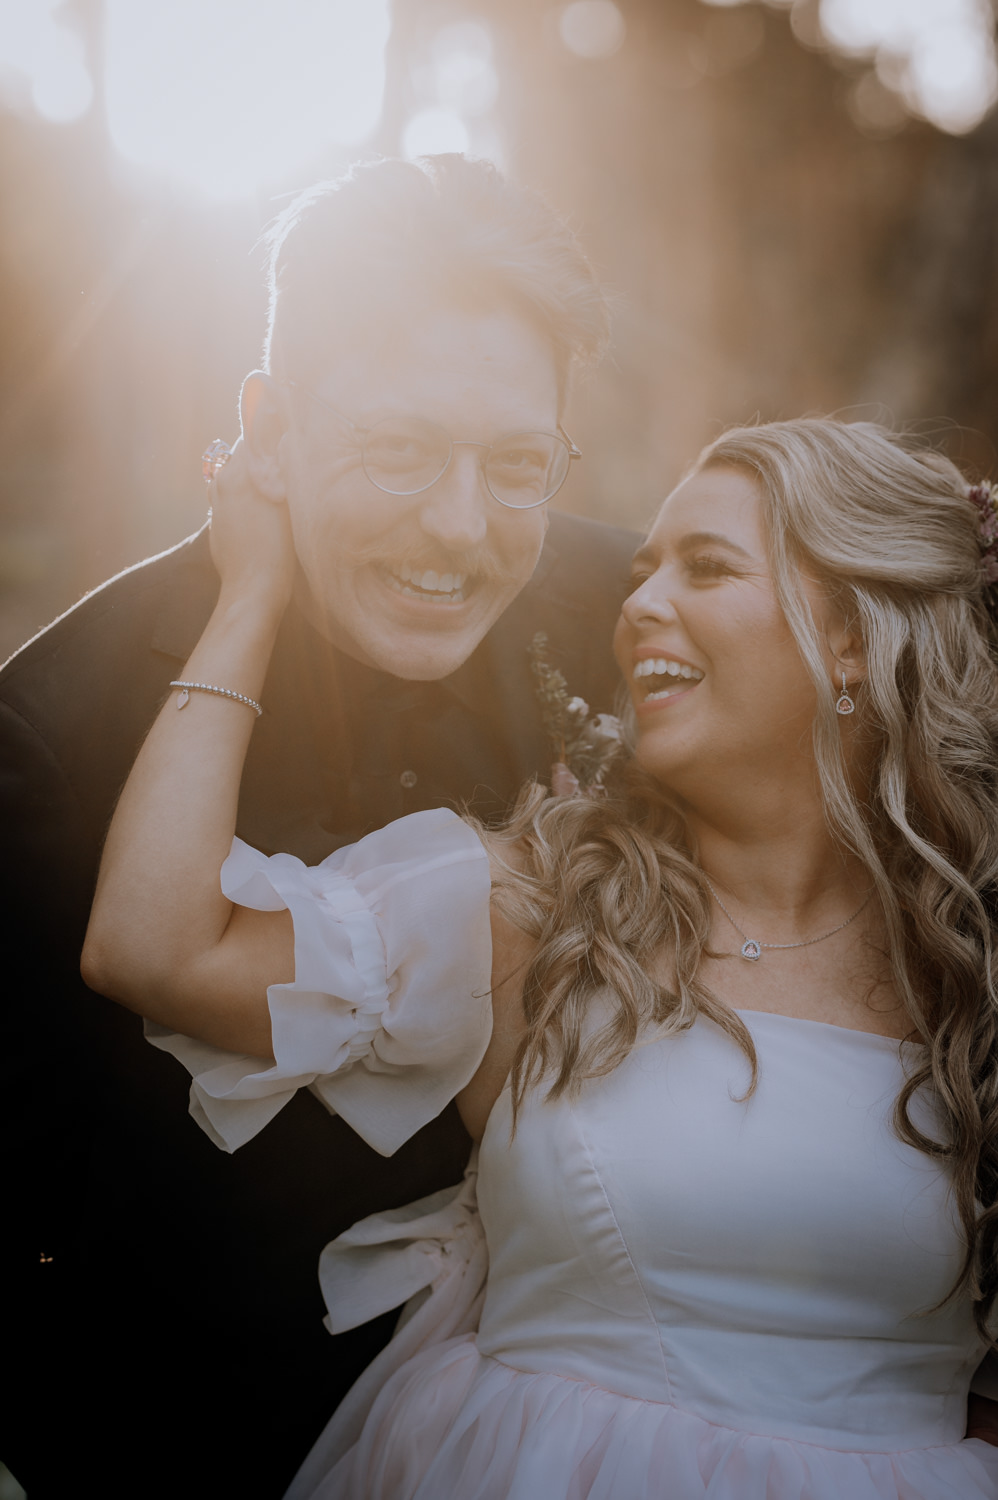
[[408, 779]]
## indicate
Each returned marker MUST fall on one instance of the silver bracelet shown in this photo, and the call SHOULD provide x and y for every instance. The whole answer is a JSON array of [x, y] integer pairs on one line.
[[207, 687]]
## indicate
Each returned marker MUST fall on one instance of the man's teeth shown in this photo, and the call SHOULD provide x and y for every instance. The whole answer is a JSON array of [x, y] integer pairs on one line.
[[448, 588]]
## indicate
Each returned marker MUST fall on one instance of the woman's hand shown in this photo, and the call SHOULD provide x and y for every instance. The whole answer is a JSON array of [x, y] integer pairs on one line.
[[251, 542]]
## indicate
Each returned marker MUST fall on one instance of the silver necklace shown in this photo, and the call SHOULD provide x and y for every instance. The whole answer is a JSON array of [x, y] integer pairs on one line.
[[752, 948]]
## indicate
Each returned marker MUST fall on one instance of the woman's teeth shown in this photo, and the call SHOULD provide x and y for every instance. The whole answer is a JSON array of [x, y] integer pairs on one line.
[[443, 588], [674, 674]]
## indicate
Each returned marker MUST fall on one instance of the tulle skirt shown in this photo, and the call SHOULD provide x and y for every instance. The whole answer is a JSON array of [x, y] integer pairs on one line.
[[451, 1424]]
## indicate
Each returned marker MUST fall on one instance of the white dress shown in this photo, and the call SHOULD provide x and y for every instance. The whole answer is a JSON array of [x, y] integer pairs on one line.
[[683, 1295]]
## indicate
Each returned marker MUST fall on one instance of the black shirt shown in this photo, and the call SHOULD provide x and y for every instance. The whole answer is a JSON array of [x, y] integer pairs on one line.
[[162, 1309]]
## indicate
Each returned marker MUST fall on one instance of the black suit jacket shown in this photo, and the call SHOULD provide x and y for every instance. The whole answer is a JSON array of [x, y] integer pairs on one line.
[[162, 1311]]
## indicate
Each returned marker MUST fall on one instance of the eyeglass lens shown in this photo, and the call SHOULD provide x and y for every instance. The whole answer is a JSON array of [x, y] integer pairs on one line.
[[404, 455]]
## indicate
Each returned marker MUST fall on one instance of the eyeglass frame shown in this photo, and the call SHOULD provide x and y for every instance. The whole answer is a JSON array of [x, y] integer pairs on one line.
[[361, 433]]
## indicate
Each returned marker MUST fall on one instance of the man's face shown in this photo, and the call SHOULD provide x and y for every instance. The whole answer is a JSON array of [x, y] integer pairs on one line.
[[367, 558]]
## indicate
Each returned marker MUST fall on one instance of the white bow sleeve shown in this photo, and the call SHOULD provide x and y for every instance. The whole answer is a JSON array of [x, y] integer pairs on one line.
[[432, 1252], [389, 1013]]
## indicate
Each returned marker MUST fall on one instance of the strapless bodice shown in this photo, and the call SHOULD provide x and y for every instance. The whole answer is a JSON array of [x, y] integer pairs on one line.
[[772, 1264]]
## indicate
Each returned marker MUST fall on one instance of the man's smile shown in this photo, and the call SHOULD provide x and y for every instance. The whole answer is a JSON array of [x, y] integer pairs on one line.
[[428, 584], [411, 582]]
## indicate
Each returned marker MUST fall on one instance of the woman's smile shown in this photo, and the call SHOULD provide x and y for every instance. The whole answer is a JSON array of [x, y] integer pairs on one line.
[[658, 676], [715, 675]]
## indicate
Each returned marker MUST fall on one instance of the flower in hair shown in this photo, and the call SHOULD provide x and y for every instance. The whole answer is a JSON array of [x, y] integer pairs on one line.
[[984, 498], [584, 744]]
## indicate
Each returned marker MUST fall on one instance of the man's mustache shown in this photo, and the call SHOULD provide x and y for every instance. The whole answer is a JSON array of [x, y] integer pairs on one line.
[[479, 563]]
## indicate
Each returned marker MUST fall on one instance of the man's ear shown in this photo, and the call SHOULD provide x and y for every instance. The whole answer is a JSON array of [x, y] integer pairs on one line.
[[261, 415]]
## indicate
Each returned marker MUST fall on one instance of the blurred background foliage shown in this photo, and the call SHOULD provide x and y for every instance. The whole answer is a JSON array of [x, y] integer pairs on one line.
[[794, 205]]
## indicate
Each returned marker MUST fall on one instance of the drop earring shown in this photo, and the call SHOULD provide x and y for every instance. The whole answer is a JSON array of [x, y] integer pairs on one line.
[[844, 704]]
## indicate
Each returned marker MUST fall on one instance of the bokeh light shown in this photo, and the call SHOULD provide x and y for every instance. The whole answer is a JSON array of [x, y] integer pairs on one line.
[[41, 56], [945, 49], [431, 131], [226, 96], [455, 87], [937, 57], [592, 28], [875, 106], [465, 79]]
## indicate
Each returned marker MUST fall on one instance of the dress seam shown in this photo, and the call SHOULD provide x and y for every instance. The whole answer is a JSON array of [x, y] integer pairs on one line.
[[634, 1270], [749, 1432]]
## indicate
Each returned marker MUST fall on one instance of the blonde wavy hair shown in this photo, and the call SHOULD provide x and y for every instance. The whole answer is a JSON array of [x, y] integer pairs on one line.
[[884, 522]]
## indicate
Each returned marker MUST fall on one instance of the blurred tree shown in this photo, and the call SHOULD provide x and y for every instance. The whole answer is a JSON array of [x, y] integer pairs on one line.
[[778, 239], [773, 256]]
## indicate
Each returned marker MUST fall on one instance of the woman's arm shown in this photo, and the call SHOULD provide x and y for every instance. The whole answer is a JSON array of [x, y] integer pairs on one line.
[[162, 939]]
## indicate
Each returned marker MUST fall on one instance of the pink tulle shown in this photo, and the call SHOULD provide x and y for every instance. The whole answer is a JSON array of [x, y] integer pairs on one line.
[[453, 1425]]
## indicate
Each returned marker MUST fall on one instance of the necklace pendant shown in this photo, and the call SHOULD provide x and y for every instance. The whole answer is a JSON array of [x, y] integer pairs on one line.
[[751, 949]]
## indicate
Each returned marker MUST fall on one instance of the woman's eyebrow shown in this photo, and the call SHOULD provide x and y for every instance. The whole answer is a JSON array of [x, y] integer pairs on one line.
[[714, 539], [648, 555]]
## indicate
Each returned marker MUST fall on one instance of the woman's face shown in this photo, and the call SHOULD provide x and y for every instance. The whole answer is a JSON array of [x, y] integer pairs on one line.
[[717, 681]]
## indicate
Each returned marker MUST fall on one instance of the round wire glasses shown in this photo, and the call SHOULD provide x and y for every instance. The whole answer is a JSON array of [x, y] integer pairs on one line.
[[406, 455]]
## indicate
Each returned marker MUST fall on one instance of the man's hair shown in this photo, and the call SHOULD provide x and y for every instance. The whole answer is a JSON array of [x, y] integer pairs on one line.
[[361, 253]]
